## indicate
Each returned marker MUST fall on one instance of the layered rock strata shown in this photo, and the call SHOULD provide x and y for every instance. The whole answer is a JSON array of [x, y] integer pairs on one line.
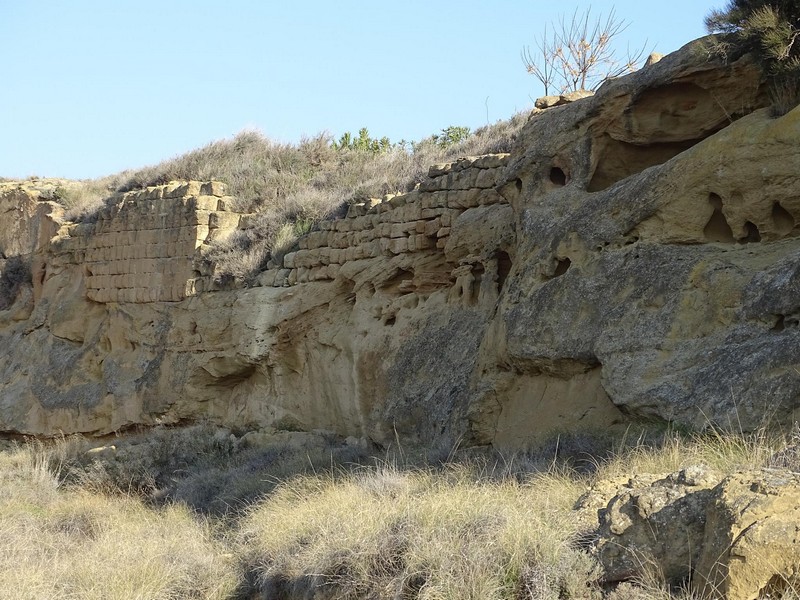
[[634, 256]]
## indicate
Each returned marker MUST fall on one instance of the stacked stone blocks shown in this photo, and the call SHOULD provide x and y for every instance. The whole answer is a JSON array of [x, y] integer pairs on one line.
[[417, 221], [144, 247]]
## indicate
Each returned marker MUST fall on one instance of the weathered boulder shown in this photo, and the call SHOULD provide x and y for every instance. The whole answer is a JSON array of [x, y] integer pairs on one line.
[[735, 539], [751, 546], [657, 524], [561, 99]]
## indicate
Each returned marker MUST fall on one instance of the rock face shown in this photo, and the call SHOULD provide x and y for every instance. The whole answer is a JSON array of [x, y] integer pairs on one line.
[[634, 256], [736, 539]]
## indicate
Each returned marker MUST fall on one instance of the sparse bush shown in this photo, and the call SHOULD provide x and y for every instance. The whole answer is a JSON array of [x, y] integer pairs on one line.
[[82, 200], [579, 54], [451, 136], [770, 30]]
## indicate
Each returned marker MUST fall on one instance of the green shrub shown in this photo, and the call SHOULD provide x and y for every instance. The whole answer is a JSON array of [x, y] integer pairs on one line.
[[363, 143], [451, 136]]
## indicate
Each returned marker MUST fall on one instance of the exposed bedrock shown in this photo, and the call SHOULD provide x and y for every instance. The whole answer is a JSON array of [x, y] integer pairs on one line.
[[634, 256]]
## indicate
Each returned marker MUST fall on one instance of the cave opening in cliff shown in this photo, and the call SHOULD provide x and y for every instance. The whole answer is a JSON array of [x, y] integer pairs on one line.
[[562, 267], [619, 160], [782, 219], [558, 177], [717, 229], [752, 234], [504, 265]]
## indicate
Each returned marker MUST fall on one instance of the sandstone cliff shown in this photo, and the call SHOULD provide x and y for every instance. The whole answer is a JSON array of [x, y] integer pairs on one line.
[[634, 256]]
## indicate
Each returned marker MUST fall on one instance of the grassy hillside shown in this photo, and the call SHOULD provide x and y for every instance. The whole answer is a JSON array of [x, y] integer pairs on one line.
[[291, 187]]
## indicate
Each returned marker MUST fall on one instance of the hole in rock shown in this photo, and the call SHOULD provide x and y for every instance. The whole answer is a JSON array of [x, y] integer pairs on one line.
[[503, 268], [676, 111], [518, 184], [782, 219], [233, 379], [562, 267], [752, 234], [558, 177], [717, 229], [780, 324], [619, 160], [390, 321]]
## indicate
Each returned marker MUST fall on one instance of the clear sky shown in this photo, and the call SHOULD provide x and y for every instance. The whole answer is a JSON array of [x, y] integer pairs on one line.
[[90, 87]]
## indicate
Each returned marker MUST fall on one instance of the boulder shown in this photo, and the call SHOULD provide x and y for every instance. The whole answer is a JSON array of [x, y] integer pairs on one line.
[[660, 524], [735, 539], [751, 545]]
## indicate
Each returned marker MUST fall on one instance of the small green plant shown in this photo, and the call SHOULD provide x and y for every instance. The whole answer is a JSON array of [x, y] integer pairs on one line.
[[451, 136], [363, 143], [769, 29]]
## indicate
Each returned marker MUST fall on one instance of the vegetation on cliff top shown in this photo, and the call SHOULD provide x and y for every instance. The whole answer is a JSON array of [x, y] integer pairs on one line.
[[770, 29], [291, 187]]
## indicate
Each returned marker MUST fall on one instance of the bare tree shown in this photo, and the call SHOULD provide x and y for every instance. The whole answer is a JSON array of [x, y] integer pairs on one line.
[[579, 54]]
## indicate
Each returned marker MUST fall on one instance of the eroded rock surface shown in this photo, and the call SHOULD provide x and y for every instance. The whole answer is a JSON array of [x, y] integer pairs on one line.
[[635, 255], [735, 539]]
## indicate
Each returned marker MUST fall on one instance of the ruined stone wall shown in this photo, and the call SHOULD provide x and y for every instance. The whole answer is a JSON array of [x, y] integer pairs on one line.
[[144, 247], [417, 221]]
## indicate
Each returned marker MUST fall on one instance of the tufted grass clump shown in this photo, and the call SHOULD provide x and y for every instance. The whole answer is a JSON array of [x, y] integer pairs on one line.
[[418, 533]]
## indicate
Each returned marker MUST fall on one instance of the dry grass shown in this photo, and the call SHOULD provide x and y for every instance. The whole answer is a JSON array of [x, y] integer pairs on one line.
[[386, 533], [313, 176], [80, 525], [74, 544], [723, 452], [82, 199]]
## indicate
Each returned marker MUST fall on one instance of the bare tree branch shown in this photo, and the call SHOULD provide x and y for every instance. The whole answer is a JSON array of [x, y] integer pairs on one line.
[[579, 54]]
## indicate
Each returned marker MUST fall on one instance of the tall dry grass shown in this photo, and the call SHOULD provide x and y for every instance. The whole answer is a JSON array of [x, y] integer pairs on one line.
[[76, 525], [73, 544], [390, 533]]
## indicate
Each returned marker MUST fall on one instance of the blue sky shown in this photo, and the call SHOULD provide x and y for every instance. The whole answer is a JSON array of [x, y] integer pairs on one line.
[[90, 88]]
